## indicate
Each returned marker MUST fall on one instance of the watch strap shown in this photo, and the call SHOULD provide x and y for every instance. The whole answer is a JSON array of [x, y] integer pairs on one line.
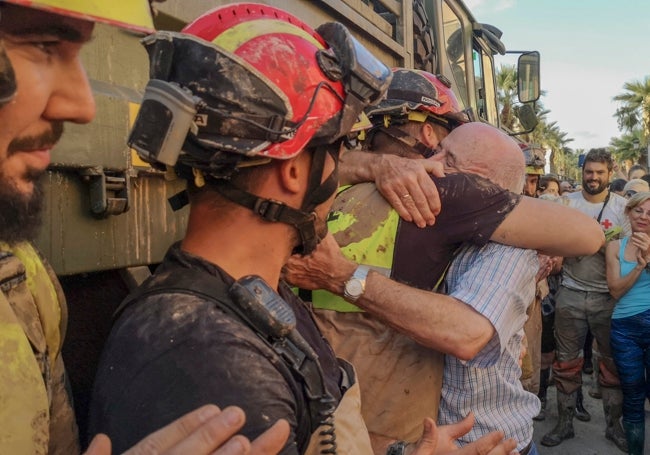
[[397, 448]]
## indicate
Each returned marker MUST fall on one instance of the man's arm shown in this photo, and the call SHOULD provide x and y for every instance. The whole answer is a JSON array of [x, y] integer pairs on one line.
[[433, 320], [619, 285], [405, 183], [499, 282], [551, 228]]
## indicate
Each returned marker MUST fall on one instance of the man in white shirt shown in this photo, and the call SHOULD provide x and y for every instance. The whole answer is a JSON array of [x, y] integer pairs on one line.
[[584, 303]]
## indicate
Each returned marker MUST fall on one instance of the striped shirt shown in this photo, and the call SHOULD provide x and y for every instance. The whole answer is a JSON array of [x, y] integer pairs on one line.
[[498, 281]]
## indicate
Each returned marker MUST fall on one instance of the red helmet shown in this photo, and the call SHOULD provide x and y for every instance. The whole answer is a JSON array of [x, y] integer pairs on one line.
[[419, 91], [283, 51], [253, 80], [248, 82]]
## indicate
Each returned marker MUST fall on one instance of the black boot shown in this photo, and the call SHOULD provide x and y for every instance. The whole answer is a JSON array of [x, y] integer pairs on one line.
[[566, 408], [635, 433], [581, 413], [543, 387]]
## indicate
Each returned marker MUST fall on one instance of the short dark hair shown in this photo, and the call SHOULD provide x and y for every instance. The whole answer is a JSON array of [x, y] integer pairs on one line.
[[545, 180], [599, 155], [617, 185], [636, 167]]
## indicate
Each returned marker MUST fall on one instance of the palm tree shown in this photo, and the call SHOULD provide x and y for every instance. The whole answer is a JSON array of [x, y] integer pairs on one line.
[[629, 147], [506, 93], [633, 112], [547, 134]]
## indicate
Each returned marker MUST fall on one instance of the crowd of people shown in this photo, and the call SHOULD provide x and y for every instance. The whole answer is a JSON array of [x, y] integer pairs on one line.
[[390, 298]]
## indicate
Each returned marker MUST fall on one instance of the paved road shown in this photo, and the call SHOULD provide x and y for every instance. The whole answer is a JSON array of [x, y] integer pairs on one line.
[[590, 436]]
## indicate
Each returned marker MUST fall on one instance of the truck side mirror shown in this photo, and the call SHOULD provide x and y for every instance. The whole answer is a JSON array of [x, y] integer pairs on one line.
[[528, 77]]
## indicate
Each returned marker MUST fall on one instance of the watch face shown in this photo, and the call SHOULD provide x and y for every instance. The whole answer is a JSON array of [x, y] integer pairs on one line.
[[354, 288]]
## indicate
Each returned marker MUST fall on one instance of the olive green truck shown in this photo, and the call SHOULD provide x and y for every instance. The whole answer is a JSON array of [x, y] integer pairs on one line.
[[107, 218]]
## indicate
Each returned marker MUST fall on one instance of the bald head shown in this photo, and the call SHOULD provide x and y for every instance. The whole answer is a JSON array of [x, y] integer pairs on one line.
[[484, 150]]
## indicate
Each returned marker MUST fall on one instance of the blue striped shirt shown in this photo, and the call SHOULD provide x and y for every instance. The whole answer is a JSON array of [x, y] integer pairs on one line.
[[498, 281]]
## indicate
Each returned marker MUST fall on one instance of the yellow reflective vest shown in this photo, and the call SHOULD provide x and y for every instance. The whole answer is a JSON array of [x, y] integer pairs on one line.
[[365, 227]]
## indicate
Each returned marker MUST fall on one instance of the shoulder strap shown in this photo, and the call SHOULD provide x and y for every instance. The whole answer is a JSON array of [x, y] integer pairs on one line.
[[600, 214]]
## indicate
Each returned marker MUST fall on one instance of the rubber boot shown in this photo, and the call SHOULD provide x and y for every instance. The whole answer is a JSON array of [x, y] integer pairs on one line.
[[613, 409], [543, 387], [566, 408], [635, 433], [581, 413]]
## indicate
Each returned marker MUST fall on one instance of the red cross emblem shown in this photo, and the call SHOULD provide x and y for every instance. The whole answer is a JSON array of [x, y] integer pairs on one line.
[[606, 224]]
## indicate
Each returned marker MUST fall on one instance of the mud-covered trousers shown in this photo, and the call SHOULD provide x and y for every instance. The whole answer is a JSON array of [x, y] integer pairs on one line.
[[576, 312], [631, 351]]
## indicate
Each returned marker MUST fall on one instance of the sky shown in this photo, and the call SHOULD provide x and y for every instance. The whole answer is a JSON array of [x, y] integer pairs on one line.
[[589, 49]]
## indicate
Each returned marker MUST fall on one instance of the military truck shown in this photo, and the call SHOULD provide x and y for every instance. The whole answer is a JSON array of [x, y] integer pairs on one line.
[[108, 220]]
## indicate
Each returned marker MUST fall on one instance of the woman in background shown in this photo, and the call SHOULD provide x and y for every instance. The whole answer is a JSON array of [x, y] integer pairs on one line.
[[628, 278]]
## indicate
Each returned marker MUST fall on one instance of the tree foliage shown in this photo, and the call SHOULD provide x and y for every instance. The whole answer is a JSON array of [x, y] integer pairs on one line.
[[633, 116], [547, 134]]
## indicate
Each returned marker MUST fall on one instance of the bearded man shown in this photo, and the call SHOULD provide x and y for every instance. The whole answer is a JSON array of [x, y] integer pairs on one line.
[[584, 303]]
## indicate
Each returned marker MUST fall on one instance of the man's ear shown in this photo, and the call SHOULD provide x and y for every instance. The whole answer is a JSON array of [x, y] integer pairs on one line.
[[294, 173], [430, 134]]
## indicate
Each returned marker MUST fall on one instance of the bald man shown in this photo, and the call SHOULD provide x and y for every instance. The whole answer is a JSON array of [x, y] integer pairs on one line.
[[382, 315], [498, 281]]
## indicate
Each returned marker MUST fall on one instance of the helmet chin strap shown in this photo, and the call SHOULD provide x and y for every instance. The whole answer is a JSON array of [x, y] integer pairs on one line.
[[303, 219], [414, 143]]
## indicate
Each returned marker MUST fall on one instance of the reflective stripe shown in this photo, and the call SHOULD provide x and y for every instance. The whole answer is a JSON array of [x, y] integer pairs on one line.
[[232, 38], [368, 239]]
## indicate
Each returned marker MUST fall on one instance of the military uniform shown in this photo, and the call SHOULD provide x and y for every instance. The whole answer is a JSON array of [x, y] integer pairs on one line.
[[34, 401]]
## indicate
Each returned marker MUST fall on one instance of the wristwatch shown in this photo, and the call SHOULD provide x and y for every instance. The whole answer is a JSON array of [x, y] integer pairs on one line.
[[397, 448], [356, 285]]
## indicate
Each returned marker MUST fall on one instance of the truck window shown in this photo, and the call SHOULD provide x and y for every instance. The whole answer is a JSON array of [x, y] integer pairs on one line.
[[484, 85], [454, 44]]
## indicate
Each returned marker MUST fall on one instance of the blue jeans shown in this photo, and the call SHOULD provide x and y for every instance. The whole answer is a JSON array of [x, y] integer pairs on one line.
[[630, 342], [533, 450]]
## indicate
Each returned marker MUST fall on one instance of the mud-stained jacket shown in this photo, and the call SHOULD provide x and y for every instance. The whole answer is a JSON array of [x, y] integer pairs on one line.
[[36, 414], [402, 377]]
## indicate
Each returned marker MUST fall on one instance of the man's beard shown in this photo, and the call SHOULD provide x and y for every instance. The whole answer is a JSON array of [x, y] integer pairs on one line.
[[593, 191], [20, 214]]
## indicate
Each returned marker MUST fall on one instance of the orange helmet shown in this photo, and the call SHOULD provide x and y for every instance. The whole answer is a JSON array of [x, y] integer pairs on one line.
[[133, 15], [129, 14]]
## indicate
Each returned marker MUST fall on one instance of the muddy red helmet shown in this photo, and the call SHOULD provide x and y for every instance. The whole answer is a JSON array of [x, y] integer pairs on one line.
[[415, 91], [535, 158], [254, 80], [246, 83]]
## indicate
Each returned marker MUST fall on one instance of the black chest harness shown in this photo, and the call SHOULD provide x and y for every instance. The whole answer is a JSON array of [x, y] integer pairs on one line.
[[251, 301]]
